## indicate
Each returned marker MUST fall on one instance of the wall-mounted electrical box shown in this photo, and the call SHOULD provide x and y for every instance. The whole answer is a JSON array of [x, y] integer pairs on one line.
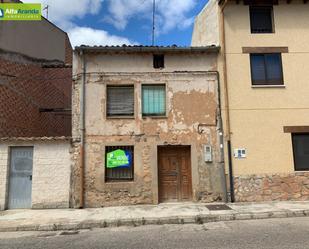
[[240, 153], [208, 153]]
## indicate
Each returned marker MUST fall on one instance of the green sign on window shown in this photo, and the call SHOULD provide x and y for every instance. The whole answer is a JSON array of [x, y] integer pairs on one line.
[[118, 158]]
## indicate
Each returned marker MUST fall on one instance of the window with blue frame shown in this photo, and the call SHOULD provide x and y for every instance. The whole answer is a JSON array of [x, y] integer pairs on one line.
[[153, 100], [266, 69]]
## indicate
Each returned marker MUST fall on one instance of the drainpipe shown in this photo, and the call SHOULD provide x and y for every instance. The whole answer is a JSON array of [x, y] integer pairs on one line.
[[226, 99], [221, 139], [82, 130]]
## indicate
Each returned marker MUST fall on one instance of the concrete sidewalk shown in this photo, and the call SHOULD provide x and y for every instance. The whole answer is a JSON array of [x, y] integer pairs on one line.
[[183, 213]]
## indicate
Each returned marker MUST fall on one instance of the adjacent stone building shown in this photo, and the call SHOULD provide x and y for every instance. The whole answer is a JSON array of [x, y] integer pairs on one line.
[[264, 67], [146, 126]]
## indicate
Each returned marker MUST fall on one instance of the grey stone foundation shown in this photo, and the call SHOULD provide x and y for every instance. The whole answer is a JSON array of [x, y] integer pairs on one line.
[[276, 187]]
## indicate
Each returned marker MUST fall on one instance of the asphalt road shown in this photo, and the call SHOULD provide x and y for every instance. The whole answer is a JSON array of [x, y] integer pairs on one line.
[[288, 233]]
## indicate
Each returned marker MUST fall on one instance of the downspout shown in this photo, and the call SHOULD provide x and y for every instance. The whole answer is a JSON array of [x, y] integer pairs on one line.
[[221, 139], [82, 130], [226, 100]]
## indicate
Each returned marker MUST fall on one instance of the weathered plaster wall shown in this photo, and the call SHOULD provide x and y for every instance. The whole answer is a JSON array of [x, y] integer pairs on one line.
[[206, 32], [51, 173], [118, 63], [206, 26], [190, 120]]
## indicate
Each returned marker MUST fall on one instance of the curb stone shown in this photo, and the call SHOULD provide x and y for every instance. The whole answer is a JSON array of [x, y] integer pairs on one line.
[[243, 216], [279, 214], [134, 222]]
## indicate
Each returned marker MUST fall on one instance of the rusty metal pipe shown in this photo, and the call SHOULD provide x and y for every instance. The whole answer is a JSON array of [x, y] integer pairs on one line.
[[82, 131], [221, 139], [226, 99]]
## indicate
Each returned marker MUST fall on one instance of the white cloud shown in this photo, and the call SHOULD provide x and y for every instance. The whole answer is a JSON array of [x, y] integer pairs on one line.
[[63, 13], [170, 14], [174, 13], [89, 36], [121, 11]]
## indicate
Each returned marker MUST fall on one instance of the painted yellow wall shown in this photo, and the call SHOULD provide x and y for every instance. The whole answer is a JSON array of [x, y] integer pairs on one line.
[[291, 27], [259, 114]]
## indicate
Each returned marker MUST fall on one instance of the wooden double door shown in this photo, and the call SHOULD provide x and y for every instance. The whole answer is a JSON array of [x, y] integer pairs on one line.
[[174, 172]]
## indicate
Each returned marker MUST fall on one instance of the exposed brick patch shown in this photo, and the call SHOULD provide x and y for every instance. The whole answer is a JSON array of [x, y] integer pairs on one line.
[[276, 187], [27, 87]]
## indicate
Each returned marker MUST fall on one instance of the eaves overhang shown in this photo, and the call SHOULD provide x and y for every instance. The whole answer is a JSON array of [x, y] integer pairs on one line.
[[147, 49]]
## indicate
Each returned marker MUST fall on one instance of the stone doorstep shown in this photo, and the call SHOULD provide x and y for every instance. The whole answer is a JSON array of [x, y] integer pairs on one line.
[[194, 219]]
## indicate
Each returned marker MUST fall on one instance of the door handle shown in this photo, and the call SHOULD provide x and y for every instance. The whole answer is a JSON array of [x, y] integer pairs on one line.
[[30, 177], [173, 174]]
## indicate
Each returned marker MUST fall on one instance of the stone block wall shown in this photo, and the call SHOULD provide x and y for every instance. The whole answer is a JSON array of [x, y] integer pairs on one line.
[[276, 187]]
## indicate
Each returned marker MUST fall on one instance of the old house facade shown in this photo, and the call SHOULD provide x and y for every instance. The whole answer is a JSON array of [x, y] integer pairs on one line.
[[146, 126], [263, 64]]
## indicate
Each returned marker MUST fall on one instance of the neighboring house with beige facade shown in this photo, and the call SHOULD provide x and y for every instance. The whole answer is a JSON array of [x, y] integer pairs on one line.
[[265, 85], [146, 126]]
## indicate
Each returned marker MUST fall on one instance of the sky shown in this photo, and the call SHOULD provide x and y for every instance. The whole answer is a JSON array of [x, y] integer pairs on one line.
[[118, 22]]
